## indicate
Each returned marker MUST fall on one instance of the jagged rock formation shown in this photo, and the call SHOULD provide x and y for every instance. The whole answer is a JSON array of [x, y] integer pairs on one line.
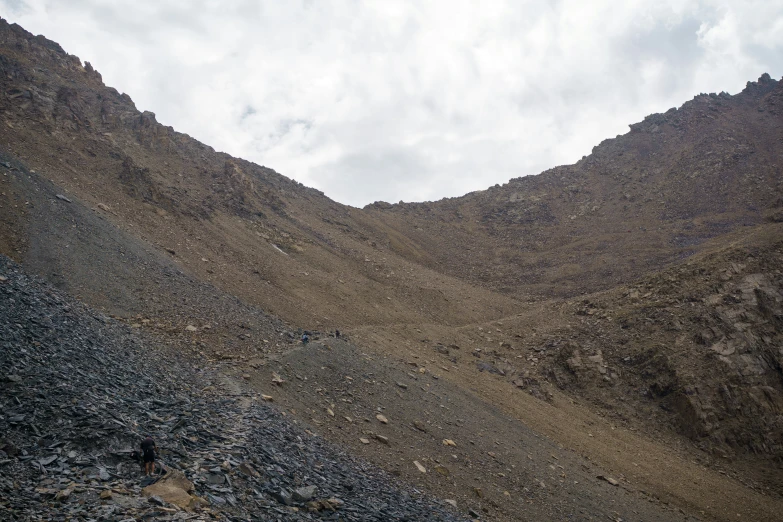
[[700, 341]]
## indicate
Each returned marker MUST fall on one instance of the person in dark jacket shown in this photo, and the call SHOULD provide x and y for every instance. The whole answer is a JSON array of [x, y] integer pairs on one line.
[[148, 450]]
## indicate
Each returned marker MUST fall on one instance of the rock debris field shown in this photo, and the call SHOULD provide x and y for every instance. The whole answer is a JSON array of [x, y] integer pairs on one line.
[[78, 391]]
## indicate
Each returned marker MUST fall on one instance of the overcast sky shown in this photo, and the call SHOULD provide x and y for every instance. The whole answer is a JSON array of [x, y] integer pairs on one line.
[[413, 101]]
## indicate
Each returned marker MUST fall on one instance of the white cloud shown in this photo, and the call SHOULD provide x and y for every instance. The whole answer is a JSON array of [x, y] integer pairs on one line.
[[412, 100]]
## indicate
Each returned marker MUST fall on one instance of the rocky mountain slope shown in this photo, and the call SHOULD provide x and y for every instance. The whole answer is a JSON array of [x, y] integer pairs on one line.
[[79, 392], [632, 300], [246, 229], [641, 201]]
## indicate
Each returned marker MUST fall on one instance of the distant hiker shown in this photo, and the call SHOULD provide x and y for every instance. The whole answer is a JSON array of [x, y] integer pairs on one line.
[[148, 450], [305, 338], [337, 334]]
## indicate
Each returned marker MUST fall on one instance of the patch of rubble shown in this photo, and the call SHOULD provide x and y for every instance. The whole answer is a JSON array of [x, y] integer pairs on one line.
[[77, 393]]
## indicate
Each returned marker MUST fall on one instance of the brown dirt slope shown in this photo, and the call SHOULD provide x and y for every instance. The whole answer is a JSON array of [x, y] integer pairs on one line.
[[690, 357]]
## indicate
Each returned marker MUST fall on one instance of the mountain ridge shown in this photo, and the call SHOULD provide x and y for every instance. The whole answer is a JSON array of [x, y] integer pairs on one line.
[[696, 208]]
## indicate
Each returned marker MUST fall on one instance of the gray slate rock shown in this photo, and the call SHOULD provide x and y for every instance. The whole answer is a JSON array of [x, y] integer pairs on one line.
[[304, 494]]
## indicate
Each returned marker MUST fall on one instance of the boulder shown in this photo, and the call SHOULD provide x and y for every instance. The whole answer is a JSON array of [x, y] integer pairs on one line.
[[175, 489]]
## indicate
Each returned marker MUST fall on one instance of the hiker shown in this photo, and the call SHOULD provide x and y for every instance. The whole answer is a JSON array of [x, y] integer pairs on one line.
[[337, 334], [305, 338], [148, 449]]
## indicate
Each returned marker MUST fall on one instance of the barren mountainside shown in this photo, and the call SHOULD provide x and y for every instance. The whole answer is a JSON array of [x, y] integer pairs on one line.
[[632, 300], [641, 201]]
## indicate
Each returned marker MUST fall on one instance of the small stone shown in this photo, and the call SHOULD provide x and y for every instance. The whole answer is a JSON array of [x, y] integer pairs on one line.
[[267, 398], [610, 480], [472, 513], [449, 442], [276, 379], [216, 478], [382, 439], [246, 376], [283, 496], [191, 328], [419, 466], [451, 502], [154, 499], [330, 412], [443, 470], [246, 469], [47, 460], [216, 500], [479, 492], [364, 441], [382, 419], [106, 494], [334, 503], [60, 196], [402, 385], [63, 494], [303, 494], [420, 426]]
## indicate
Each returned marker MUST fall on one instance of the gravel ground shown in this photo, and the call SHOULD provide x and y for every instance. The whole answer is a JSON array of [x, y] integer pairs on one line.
[[78, 391]]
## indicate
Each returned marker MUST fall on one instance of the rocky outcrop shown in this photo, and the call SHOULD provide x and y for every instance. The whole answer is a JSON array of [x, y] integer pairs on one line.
[[699, 344]]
